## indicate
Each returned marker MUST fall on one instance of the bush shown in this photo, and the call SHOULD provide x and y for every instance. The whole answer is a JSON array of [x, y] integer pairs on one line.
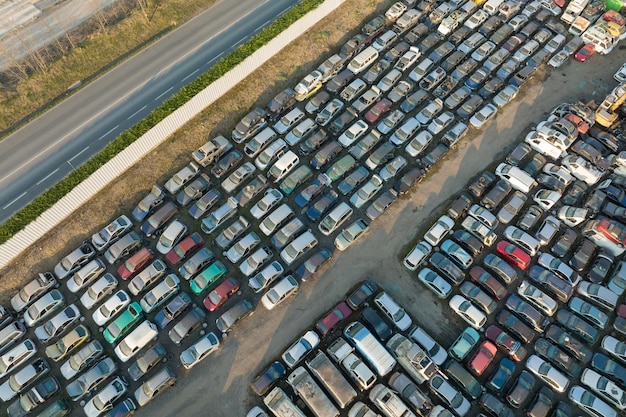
[[46, 200]]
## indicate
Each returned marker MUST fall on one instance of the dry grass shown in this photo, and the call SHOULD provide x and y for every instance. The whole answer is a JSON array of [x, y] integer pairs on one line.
[[95, 50], [285, 69]]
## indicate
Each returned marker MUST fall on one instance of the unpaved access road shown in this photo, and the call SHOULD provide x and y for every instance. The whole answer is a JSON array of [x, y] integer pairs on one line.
[[219, 387]]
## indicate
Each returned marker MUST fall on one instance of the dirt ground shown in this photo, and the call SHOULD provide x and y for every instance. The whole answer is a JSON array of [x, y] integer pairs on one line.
[[286, 69]]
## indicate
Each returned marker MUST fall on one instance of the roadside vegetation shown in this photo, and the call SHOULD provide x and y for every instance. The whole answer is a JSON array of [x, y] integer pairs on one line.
[[285, 69]]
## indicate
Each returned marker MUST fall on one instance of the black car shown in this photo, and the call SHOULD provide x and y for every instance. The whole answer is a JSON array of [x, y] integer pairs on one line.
[[570, 343], [226, 163], [531, 217], [414, 100], [361, 294], [551, 183], [614, 211], [521, 390], [317, 139], [578, 325], [478, 187], [519, 154], [494, 406], [459, 206], [434, 156], [533, 167], [460, 35], [595, 201], [268, 378], [463, 379], [416, 33], [407, 180], [554, 354], [317, 102], [468, 241], [564, 243], [376, 323], [445, 265], [515, 325], [340, 122], [339, 81], [583, 255], [282, 102], [609, 367], [541, 404], [600, 268], [575, 193], [551, 282]]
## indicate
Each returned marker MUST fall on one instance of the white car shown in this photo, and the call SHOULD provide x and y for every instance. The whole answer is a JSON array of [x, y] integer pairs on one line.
[[182, 177], [505, 96], [559, 268], [88, 381], [451, 397], [537, 298], [590, 403], [238, 176], [605, 388], [300, 348], [266, 276], [408, 59], [309, 85], [439, 230], [440, 122], [600, 295], [353, 133], [484, 216], [419, 143], [417, 255], [620, 75], [558, 172], [367, 191], [279, 292], [243, 247], [573, 216], [116, 303], [207, 344], [111, 232], [170, 236], [614, 347], [434, 350], [350, 234], [58, 324], [547, 373], [43, 307], [80, 360], [105, 398], [476, 19], [255, 261], [42, 284], [271, 197], [482, 116], [393, 311], [582, 169], [543, 146], [547, 198], [434, 282], [104, 286], [525, 241], [468, 311], [391, 169]]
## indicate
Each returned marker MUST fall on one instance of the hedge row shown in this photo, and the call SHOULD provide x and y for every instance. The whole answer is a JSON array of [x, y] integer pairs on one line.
[[46, 200]]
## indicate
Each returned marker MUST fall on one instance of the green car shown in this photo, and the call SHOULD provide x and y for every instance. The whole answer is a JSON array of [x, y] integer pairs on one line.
[[123, 323], [464, 344], [208, 277], [297, 177], [339, 168]]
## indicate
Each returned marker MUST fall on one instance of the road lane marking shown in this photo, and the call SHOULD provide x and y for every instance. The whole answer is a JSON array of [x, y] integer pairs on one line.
[[163, 93], [107, 133], [190, 74], [135, 113], [14, 200], [47, 176], [73, 157]]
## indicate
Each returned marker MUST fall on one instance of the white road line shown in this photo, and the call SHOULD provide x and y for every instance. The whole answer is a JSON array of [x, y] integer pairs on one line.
[[163, 93], [14, 200], [262, 25], [107, 133], [73, 157], [190, 74], [240, 41], [47, 176], [135, 113]]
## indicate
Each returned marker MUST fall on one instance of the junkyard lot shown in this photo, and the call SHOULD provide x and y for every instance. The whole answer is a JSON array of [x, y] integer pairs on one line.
[[220, 385]]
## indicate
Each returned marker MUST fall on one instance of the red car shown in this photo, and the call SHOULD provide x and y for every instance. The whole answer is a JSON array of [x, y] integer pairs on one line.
[[221, 294], [513, 254], [327, 323], [379, 110], [489, 282], [179, 252], [585, 52], [135, 263], [613, 16], [560, 3], [507, 343], [581, 125], [482, 358], [621, 310]]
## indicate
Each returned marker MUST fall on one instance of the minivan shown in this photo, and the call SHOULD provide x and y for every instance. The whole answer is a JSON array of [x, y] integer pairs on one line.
[[385, 40], [136, 340], [276, 219], [258, 142], [363, 60], [284, 164], [219, 216], [335, 218], [159, 219], [270, 154], [298, 247], [370, 348]]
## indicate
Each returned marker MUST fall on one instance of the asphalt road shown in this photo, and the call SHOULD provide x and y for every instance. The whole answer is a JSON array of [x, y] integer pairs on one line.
[[47, 149]]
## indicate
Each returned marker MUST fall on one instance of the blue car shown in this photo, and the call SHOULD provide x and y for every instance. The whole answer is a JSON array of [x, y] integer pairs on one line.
[[501, 376], [321, 206], [477, 78], [177, 306]]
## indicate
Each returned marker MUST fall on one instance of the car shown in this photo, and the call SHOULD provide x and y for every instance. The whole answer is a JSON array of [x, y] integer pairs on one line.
[[221, 294], [578, 325], [251, 123], [570, 343], [110, 233], [106, 397], [88, 381], [73, 261], [501, 267], [584, 53], [376, 323], [313, 264], [467, 311], [512, 347], [463, 344], [609, 367], [226, 163], [186, 325], [406, 182], [439, 230], [600, 268], [409, 392], [66, 344], [398, 316], [547, 373], [456, 253], [123, 323], [555, 355], [529, 313], [151, 201], [198, 262], [34, 397], [517, 326], [82, 359], [147, 361], [513, 254], [428, 113], [111, 307], [482, 358], [483, 115], [434, 350], [511, 207], [381, 204], [326, 324], [268, 378], [159, 294], [530, 218], [489, 282], [193, 190], [393, 167], [177, 306], [572, 216], [390, 122], [184, 248], [265, 277], [445, 265], [478, 296], [379, 110], [58, 324], [135, 263], [521, 390], [230, 317], [559, 268], [449, 395], [501, 377], [300, 348], [353, 180], [524, 240], [367, 191], [243, 247], [480, 185], [256, 260], [496, 195], [605, 388], [281, 290], [582, 169], [350, 234], [537, 298], [360, 295]]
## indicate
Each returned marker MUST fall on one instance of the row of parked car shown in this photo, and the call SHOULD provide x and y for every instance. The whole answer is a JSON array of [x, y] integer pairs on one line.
[[555, 277]]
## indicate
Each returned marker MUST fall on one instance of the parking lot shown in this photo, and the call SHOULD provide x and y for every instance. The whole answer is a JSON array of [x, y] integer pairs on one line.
[[234, 365]]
